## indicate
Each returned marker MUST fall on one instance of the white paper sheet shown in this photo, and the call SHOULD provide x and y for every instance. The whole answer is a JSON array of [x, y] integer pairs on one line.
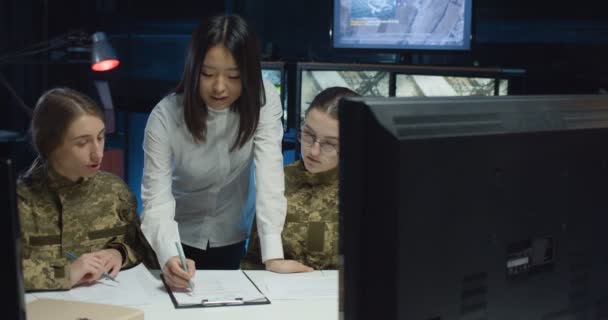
[[296, 286], [136, 286]]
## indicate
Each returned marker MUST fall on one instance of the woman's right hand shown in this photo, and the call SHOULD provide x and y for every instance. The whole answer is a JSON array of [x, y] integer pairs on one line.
[[175, 276], [86, 269]]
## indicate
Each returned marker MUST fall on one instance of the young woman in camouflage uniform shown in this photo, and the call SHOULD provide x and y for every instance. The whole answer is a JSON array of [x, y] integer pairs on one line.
[[310, 235], [67, 205]]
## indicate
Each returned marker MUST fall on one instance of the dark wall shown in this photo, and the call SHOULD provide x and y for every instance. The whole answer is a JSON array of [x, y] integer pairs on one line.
[[150, 39], [561, 46], [18, 28]]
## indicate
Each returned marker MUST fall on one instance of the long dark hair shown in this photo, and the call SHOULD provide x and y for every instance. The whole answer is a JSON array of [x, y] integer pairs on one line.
[[55, 110], [232, 32]]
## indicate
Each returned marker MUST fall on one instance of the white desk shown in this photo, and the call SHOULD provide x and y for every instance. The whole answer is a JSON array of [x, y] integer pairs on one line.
[[309, 308]]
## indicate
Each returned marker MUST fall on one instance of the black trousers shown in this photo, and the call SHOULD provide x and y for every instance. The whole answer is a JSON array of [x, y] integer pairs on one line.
[[218, 258]]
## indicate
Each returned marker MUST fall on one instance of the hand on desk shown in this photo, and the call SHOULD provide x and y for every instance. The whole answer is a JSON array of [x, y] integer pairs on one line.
[[111, 259], [174, 273], [86, 269], [286, 266]]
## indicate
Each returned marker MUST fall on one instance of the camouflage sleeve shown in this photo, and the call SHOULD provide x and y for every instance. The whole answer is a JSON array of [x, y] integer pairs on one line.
[[130, 246], [39, 273], [253, 257]]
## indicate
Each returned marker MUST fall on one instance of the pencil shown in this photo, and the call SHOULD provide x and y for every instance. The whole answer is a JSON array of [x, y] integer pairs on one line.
[[182, 259]]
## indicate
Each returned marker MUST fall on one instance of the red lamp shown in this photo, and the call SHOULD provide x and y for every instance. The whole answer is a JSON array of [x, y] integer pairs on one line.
[[103, 56]]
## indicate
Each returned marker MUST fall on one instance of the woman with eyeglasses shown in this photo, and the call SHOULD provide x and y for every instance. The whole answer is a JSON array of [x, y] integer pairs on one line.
[[310, 234]]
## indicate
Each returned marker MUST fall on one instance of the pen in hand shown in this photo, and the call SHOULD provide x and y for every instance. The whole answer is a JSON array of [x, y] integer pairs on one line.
[[182, 259], [70, 255]]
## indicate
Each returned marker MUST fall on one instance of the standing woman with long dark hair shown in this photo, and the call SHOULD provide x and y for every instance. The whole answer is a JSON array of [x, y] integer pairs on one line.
[[199, 145]]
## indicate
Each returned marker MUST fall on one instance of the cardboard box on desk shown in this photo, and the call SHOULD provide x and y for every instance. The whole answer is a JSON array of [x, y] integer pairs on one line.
[[54, 309]]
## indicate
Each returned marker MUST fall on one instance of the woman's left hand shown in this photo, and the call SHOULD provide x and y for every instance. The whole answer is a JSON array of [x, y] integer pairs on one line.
[[286, 266], [112, 260]]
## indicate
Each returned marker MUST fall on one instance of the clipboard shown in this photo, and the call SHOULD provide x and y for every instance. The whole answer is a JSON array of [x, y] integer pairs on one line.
[[237, 289]]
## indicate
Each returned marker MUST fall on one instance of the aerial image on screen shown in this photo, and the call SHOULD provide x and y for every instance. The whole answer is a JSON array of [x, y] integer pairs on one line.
[[411, 85], [402, 24], [367, 83], [274, 76]]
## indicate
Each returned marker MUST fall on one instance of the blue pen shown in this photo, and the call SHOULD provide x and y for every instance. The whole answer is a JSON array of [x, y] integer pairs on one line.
[[73, 257], [182, 259]]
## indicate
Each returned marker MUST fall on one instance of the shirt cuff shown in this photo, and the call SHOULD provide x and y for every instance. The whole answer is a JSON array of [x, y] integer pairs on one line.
[[164, 254], [272, 247]]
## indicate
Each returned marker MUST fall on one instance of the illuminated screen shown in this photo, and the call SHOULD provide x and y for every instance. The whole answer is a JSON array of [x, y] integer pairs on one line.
[[402, 24], [366, 83], [433, 86], [503, 87], [275, 76]]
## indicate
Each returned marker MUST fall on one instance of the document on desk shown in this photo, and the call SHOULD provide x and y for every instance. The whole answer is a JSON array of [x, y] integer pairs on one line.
[[297, 286], [218, 288], [136, 286]]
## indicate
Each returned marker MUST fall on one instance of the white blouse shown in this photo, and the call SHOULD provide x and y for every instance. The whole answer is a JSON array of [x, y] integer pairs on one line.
[[201, 189]]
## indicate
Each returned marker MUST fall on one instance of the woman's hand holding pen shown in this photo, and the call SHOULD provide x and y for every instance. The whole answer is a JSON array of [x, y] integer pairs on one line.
[[111, 259], [86, 269], [286, 266], [174, 273]]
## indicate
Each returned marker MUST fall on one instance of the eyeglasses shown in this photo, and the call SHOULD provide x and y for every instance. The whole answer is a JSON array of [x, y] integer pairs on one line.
[[309, 140]]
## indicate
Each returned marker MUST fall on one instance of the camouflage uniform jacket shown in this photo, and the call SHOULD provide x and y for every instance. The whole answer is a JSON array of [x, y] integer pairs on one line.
[[58, 215], [310, 235]]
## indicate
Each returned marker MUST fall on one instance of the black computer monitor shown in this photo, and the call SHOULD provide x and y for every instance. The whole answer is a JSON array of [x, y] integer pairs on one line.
[[14, 298], [475, 207]]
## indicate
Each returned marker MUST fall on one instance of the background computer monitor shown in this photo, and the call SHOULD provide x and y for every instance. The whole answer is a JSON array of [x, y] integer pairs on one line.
[[14, 297], [274, 71], [381, 80], [421, 85], [399, 25], [474, 207], [365, 82]]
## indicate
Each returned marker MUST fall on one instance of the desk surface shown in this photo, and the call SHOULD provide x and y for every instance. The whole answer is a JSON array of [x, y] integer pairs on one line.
[[308, 308]]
